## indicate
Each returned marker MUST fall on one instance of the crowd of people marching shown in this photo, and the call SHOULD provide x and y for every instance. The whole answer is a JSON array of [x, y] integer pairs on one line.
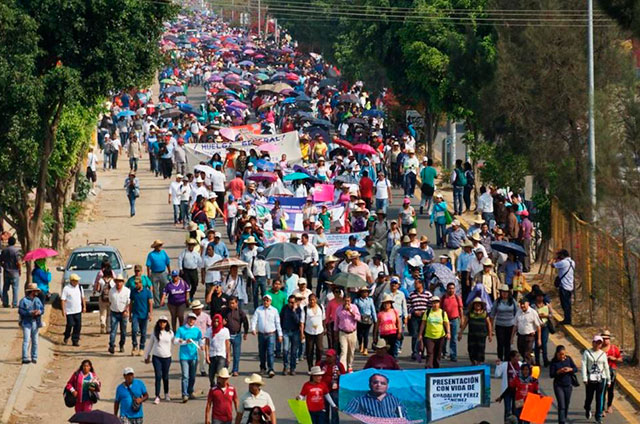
[[325, 306]]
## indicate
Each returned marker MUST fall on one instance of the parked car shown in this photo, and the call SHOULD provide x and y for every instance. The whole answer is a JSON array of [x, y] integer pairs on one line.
[[86, 262]]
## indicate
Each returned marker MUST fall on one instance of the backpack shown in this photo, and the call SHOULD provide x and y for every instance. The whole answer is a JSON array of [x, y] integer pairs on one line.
[[104, 293], [595, 373], [461, 179]]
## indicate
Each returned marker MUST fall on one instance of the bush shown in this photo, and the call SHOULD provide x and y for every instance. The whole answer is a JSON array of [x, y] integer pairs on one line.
[[83, 186], [70, 213]]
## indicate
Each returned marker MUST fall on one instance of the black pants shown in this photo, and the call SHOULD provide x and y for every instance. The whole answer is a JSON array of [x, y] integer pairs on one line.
[[307, 273], [466, 195], [563, 396], [190, 276], [74, 322], [565, 302], [434, 350], [313, 345], [465, 285], [503, 338], [596, 389], [392, 340], [363, 335], [525, 345], [611, 389], [220, 199], [167, 166]]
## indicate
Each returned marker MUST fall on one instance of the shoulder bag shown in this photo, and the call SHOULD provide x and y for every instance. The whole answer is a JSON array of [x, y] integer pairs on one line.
[[558, 281], [135, 407]]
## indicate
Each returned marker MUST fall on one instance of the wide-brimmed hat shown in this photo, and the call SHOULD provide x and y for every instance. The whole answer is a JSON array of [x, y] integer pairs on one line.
[[31, 287], [435, 299], [352, 254], [157, 243], [413, 231], [74, 277], [406, 239], [466, 243], [196, 304], [606, 334], [250, 240], [380, 212], [316, 371], [476, 236], [387, 298], [381, 344], [487, 262], [478, 221], [477, 300], [504, 287], [330, 258], [364, 288], [192, 241], [223, 373], [424, 239], [193, 226], [254, 379], [119, 277]]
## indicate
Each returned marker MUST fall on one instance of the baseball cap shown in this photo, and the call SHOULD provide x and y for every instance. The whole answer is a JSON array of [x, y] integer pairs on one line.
[[127, 371], [267, 296]]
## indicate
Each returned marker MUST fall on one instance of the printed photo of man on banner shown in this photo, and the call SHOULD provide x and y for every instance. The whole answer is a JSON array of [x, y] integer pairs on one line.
[[375, 396]]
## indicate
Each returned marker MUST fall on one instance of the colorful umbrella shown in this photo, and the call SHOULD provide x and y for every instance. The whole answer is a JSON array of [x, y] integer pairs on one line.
[[296, 176], [41, 253], [263, 176], [365, 149], [226, 264]]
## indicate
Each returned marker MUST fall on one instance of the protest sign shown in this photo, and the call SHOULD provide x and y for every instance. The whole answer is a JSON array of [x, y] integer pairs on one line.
[[455, 390], [337, 241], [323, 193], [536, 408], [442, 392], [300, 411]]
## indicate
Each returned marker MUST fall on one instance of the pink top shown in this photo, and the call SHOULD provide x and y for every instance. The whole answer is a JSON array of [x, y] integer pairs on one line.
[[345, 321], [387, 321], [332, 306]]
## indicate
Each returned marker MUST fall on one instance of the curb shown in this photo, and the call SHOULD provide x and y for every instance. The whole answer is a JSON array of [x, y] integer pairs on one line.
[[13, 397], [625, 386]]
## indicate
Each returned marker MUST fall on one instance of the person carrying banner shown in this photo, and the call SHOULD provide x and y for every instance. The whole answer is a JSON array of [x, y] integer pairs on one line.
[[479, 324], [333, 369], [315, 392], [434, 330], [377, 402]]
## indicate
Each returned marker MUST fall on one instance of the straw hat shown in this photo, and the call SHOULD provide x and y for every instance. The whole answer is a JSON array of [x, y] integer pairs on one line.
[[156, 243], [476, 236], [330, 258], [487, 262], [74, 277], [119, 277], [387, 298], [196, 304], [478, 221], [477, 300], [250, 240], [254, 379], [364, 288], [381, 344], [352, 254], [316, 371], [504, 287], [32, 287], [192, 241], [413, 231], [193, 226], [223, 373]]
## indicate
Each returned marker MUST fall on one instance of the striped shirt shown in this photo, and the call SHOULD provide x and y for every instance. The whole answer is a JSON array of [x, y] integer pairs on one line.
[[388, 407], [419, 302]]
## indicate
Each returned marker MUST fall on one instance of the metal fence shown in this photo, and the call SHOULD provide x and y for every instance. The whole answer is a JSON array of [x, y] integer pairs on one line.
[[602, 298]]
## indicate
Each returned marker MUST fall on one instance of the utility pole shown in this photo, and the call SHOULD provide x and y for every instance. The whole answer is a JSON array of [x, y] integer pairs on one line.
[[592, 130], [259, 19], [233, 11]]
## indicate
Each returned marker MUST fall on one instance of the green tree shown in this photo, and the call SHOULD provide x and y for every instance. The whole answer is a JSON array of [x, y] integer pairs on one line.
[[55, 53]]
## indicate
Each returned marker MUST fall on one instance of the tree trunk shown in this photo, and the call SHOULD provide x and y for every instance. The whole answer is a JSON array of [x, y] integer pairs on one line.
[[430, 131], [57, 198]]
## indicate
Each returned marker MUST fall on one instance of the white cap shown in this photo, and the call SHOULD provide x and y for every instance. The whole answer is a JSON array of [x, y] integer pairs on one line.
[[127, 371]]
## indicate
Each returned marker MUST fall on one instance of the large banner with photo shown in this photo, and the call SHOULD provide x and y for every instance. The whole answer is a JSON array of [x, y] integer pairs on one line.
[[402, 397], [292, 208], [336, 241], [287, 143]]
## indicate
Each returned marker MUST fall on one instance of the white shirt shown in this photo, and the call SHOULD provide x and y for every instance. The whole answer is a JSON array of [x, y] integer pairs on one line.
[[266, 320], [527, 322], [485, 203], [310, 253], [119, 299], [160, 348], [248, 401], [306, 293], [92, 161], [217, 180], [72, 297], [375, 270], [208, 261], [382, 192], [175, 191], [217, 343], [313, 320]]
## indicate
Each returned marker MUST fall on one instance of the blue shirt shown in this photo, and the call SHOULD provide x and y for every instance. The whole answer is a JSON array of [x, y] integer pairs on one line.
[[158, 261], [366, 307], [462, 264], [221, 249], [510, 270], [25, 307], [42, 279], [126, 399], [140, 303], [188, 351], [388, 407]]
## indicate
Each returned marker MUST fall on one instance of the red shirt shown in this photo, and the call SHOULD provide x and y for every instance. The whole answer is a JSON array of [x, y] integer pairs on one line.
[[314, 392], [332, 373], [522, 389], [366, 187], [386, 362], [236, 186], [222, 401], [615, 352], [451, 305]]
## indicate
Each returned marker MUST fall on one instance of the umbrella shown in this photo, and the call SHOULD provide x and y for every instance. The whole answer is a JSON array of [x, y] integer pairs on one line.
[[226, 264], [238, 105], [142, 111], [269, 147], [327, 82], [265, 87], [168, 81], [246, 63], [284, 252], [262, 76], [171, 113], [188, 108], [265, 106], [314, 131], [346, 179], [365, 149], [265, 165], [348, 98], [508, 247], [280, 86], [215, 78], [41, 253], [263, 176], [443, 273], [410, 252], [126, 113], [341, 253], [94, 417], [358, 121], [296, 176], [347, 280], [376, 113], [174, 89]]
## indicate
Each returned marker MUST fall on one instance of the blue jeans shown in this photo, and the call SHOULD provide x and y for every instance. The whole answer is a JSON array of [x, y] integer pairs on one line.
[[261, 286], [132, 204], [30, 334], [458, 191], [440, 231], [184, 213], [106, 160], [382, 204], [266, 344], [290, 344], [188, 367], [10, 281], [177, 216], [537, 348], [138, 324], [565, 302], [161, 371], [118, 319], [133, 163], [409, 184], [236, 347], [454, 325]]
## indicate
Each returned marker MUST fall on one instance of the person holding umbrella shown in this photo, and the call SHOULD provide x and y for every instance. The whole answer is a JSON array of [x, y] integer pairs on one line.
[[30, 310], [41, 276]]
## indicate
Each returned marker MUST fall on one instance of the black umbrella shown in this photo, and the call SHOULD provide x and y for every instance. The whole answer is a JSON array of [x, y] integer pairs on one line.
[[327, 82], [94, 417], [508, 247], [348, 98], [338, 151], [313, 131], [342, 253], [171, 113]]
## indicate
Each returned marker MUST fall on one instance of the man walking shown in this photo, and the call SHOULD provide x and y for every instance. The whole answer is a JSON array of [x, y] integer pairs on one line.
[[529, 329], [266, 324], [345, 324], [238, 325], [564, 281], [158, 268], [130, 395], [453, 306], [119, 299], [11, 265], [221, 401], [189, 262], [417, 305], [290, 319], [458, 180], [73, 305], [141, 311]]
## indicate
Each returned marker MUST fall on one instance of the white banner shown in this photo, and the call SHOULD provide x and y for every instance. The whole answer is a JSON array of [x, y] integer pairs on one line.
[[288, 143], [337, 241], [455, 392]]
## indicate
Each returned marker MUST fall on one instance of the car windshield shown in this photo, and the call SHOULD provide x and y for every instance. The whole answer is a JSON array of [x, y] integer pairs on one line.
[[84, 261]]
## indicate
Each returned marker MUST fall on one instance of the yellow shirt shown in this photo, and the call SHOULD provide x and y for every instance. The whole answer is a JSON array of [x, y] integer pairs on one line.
[[434, 328], [305, 150], [210, 209], [320, 149]]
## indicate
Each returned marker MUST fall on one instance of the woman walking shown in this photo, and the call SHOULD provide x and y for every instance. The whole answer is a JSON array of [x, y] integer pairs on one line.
[[434, 328], [176, 293], [132, 186], [368, 317], [313, 328], [316, 393], [217, 347], [503, 316], [158, 351], [406, 216], [439, 217], [388, 326], [562, 369], [595, 376], [544, 312], [479, 324], [84, 385]]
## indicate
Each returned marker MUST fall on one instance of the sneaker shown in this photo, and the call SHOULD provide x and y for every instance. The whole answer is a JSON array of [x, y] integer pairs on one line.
[[203, 374], [263, 371], [156, 401], [134, 351], [167, 398], [192, 396], [65, 342], [185, 399], [76, 344], [121, 349], [587, 414], [34, 361], [26, 361], [112, 350], [272, 374]]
